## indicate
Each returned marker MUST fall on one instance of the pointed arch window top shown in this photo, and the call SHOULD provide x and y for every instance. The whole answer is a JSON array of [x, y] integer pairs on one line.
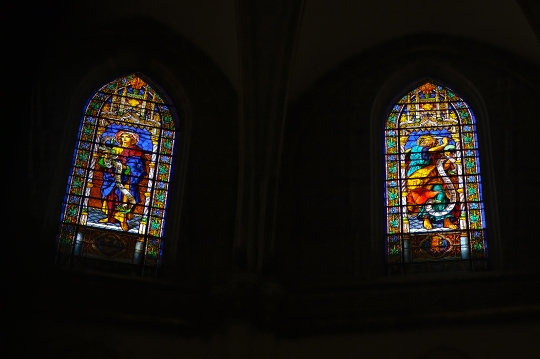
[[433, 187], [131, 99], [115, 205], [429, 105]]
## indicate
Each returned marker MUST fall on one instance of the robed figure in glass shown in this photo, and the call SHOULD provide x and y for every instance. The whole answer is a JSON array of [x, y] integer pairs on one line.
[[431, 182], [124, 167]]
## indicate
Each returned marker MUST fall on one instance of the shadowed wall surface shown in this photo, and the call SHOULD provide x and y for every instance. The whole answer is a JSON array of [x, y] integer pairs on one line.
[[274, 238]]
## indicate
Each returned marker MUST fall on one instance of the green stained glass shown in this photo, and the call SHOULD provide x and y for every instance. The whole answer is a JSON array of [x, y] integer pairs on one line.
[[394, 249], [117, 180], [393, 197], [392, 120], [391, 145], [391, 171], [393, 223], [433, 186], [66, 238]]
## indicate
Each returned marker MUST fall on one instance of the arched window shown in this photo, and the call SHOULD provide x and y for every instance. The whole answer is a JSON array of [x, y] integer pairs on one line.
[[433, 189], [115, 202]]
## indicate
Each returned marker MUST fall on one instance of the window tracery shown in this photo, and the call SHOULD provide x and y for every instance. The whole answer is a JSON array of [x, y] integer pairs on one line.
[[115, 203], [433, 188]]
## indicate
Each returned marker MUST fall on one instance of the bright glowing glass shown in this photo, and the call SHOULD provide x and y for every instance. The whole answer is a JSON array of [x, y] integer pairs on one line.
[[433, 189], [115, 205]]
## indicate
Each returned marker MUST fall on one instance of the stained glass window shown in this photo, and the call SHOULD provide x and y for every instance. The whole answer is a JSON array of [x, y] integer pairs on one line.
[[115, 202], [433, 188]]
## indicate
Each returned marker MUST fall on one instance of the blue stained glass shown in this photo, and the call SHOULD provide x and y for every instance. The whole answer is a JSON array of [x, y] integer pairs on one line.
[[160, 185]]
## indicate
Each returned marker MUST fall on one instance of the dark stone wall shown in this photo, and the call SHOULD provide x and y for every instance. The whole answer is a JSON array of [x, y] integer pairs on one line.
[[325, 289], [331, 194], [205, 176]]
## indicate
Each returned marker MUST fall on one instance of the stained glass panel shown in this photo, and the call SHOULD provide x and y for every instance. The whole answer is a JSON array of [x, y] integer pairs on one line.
[[433, 192], [116, 199]]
